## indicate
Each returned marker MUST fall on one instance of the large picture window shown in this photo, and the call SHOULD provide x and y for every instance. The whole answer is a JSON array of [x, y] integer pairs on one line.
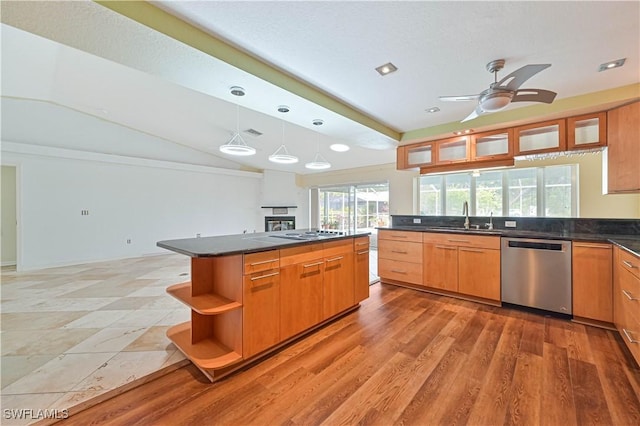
[[526, 192]]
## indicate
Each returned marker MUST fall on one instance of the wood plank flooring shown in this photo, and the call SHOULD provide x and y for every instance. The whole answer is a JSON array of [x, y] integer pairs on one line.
[[407, 357]]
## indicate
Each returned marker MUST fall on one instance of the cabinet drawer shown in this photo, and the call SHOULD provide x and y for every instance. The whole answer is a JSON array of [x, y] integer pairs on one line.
[[301, 254], [400, 271], [335, 248], [400, 235], [629, 326], [400, 250], [262, 261], [360, 243], [629, 262], [463, 240]]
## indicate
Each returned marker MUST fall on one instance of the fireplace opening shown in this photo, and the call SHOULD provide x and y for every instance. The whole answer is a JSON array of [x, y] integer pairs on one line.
[[279, 223]]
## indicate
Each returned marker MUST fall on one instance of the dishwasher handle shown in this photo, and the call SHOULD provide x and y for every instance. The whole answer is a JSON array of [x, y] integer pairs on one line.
[[535, 245]]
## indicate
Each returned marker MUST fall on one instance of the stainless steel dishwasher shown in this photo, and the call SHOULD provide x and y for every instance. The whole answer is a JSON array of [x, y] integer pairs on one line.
[[537, 273]]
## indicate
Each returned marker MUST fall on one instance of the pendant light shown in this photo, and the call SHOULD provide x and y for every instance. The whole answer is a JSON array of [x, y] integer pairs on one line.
[[282, 156], [237, 145], [319, 162]]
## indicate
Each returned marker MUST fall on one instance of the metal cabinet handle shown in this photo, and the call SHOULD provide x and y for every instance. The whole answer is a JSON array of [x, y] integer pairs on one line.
[[334, 259], [458, 241], [628, 335], [447, 248], [399, 251], [595, 246], [629, 264], [263, 262], [265, 276], [363, 252], [312, 264], [629, 295], [362, 244], [398, 271], [399, 236]]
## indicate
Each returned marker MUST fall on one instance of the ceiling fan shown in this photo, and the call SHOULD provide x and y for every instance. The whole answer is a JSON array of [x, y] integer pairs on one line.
[[501, 93]]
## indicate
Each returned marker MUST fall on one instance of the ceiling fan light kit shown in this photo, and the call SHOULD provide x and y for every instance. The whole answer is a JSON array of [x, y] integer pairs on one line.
[[501, 93]]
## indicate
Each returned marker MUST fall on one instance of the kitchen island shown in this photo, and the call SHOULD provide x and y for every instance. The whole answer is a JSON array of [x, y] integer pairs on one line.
[[251, 294]]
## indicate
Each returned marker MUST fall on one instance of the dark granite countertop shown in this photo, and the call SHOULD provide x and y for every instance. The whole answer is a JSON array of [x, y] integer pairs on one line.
[[631, 243], [243, 243]]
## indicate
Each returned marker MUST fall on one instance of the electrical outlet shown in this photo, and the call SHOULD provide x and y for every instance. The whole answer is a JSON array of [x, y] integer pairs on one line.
[[128, 240], [84, 212], [509, 223], [197, 235], [417, 220]]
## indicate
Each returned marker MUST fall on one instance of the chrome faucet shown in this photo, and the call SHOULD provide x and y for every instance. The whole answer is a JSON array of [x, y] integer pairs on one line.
[[465, 212], [490, 224]]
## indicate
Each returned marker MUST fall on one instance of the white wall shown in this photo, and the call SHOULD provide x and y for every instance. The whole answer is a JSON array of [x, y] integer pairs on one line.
[[143, 200], [8, 215]]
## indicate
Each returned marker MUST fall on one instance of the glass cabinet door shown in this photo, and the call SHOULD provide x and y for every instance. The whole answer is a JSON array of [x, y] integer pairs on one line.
[[492, 145], [540, 137], [419, 156], [587, 131], [453, 150]]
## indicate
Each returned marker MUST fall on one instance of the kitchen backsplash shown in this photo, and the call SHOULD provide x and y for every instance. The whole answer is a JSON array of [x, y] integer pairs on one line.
[[559, 225]]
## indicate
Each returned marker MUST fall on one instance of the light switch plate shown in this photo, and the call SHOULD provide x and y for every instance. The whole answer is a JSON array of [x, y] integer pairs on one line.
[[509, 223], [416, 220]]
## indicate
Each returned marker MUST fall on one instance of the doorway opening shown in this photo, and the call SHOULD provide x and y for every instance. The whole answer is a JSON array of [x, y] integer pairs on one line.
[[356, 208]]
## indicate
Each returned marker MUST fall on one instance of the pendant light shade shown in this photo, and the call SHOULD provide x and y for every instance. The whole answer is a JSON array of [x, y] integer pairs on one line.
[[318, 163], [282, 156], [237, 145]]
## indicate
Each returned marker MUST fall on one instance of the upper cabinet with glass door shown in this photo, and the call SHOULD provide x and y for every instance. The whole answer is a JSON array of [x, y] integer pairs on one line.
[[419, 155], [548, 136], [587, 131], [495, 145], [453, 150]]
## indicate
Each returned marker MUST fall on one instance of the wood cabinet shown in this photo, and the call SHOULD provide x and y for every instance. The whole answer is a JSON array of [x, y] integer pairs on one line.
[[623, 151], [400, 256], [301, 284], [587, 131], [494, 145], [548, 136], [466, 264], [338, 288], [213, 337], [244, 306], [592, 265], [626, 299], [417, 155], [361, 265], [453, 150]]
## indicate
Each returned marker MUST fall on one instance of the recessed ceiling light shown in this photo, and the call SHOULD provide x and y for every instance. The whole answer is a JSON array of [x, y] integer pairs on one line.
[[317, 122], [463, 132], [236, 91], [339, 147], [283, 108], [432, 110], [387, 68], [612, 64]]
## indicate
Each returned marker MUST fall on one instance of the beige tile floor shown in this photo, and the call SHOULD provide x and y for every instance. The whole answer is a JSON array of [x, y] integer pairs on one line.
[[71, 334]]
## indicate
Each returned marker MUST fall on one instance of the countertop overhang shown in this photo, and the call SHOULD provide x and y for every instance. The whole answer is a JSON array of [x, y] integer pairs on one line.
[[223, 245]]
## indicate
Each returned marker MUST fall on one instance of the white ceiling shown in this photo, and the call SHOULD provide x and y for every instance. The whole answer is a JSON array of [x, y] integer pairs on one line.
[[110, 75]]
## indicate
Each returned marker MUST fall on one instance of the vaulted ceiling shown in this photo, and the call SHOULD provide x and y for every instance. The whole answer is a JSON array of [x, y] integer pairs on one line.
[[152, 75]]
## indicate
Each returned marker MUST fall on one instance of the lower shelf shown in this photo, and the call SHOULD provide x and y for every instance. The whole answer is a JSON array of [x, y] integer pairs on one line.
[[207, 353]]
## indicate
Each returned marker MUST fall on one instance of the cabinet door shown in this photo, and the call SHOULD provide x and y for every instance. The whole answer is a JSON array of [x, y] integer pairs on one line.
[[587, 131], [338, 285], [453, 150], [540, 137], [592, 281], [361, 275], [261, 312], [440, 266], [479, 272], [623, 151], [492, 145], [300, 297], [418, 155]]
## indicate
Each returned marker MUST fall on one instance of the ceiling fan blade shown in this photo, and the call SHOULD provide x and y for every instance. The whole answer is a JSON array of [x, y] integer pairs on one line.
[[458, 98], [475, 114], [534, 95], [519, 76]]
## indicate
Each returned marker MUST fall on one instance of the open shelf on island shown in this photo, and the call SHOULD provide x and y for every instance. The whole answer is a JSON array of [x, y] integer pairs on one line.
[[205, 304], [207, 353]]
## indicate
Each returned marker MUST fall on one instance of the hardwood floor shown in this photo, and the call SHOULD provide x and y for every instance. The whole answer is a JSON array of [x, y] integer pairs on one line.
[[407, 357]]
